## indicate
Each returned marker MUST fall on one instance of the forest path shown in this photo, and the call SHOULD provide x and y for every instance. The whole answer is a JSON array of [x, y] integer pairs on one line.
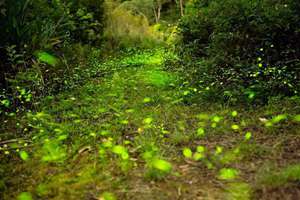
[[115, 136], [132, 135]]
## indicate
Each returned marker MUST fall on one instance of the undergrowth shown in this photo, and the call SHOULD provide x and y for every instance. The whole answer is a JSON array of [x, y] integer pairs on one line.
[[133, 134]]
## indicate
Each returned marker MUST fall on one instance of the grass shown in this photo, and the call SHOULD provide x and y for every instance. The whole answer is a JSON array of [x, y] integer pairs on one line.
[[279, 177], [129, 135]]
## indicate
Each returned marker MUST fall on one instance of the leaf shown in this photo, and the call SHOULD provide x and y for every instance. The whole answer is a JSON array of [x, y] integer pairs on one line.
[[47, 58], [234, 113], [148, 120], [121, 151], [5, 102], [162, 165], [24, 196], [104, 132], [248, 136], [216, 119], [24, 155], [185, 93], [297, 118], [197, 156], [228, 174], [118, 149], [187, 152], [200, 149], [235, 127], [124, 122], [279, 118], [147, 100], [219, 150], [251, 95], [62, 137], [200, 132]]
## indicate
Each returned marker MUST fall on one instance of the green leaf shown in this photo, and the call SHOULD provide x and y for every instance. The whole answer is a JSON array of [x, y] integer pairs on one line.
[[187, 152], [24, 196], [121, 151], [216, 119], [148, 120], [219, 150], [297, 118], [235, 127], [5, 102], [200, 149], [251, 95], [118, 149], [104, 132], [47, 58], [197, 156], [24, 155], [162, 165], [107, 144], [185, 93], [124, 122], [234, 113], [228, 174], [62, 137], [279, 118], [147, 100], [248, 136], [200, 132]]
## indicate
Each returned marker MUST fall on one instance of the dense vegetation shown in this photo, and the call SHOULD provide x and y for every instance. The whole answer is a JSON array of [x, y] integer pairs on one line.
[[242, 49], [149, 99]]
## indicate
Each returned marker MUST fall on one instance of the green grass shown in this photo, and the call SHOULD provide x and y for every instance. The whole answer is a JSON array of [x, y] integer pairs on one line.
[[130, 135], [280, 177]]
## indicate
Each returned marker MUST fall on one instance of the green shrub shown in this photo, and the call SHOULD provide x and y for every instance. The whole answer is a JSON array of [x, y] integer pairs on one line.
[[242, 50], [43, 24], [45, 46]]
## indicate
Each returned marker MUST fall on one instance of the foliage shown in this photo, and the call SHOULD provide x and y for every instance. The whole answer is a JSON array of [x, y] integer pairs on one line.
[[46, 24], [36, 43], [279, 177], [242, 50], [124, 28]]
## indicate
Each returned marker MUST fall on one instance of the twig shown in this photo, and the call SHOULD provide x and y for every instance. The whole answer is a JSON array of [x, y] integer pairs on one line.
[[13, 140]]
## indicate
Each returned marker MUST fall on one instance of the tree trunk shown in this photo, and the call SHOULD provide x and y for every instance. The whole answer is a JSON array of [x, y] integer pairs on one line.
[[158, 12], [181, 7], [155, 15]]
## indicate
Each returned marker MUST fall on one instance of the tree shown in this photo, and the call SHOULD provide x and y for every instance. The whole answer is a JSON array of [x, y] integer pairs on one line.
[[181, 7], [150, 8]]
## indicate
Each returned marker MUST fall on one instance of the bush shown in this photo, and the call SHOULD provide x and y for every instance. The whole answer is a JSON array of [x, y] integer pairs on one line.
[[43, 24], [30, 25], [242, 49], [36, 30], [45, 47]]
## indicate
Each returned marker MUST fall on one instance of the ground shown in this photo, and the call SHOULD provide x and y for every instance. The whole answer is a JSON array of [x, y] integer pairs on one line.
[[133, 134]]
